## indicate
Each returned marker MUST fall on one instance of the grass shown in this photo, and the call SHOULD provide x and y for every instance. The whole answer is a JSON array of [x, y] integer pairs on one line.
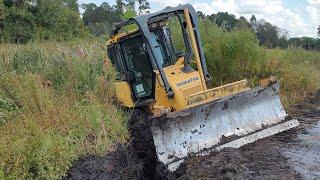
[[236, 55], [56, 98], [55, 107], [298, 71]]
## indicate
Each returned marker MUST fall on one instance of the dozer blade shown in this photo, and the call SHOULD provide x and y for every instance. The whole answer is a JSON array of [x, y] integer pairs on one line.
[[232, 121]]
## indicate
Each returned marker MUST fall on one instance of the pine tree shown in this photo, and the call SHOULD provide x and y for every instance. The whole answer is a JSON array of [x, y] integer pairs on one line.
[[253, 22]]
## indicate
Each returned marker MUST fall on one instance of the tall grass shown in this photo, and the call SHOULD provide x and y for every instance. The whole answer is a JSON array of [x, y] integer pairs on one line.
[[236, 55], [232, 56], [298, 71], [55, 106]]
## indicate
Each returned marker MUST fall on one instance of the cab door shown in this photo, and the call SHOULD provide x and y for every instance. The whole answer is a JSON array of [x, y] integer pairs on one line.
[[139, 68]]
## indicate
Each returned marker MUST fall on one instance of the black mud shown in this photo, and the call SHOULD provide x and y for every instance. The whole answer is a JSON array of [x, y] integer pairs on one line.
[[120, 164], [293, 154]]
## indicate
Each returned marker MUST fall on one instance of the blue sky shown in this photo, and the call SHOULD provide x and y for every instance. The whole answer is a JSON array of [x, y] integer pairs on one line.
[[299, 17]]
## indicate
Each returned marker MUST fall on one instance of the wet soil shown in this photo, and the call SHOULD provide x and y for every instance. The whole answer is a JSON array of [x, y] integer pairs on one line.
[[122, 163], [294, 154]]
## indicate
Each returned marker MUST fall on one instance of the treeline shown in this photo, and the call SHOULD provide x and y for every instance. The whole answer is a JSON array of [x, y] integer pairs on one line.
[[101, 19], [25, 20], [22, 21], [269, 36]]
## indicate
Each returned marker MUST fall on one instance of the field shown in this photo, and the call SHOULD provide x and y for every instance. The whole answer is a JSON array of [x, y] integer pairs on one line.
[[55, 106], [56, 99]]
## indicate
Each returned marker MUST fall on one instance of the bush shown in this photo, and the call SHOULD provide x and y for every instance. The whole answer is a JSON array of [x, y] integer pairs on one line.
[[19, 26], [231, 56]]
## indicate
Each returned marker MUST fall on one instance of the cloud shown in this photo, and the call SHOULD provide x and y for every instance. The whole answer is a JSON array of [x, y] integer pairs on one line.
[[296, 21], [203, 7], [313, 11], [314, 3], [172, 3]]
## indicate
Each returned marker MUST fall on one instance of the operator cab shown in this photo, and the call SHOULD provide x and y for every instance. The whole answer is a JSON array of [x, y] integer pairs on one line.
[[131, 58], [156, 42]]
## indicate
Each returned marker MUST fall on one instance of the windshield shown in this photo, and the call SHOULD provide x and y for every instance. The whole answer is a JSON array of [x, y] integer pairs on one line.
[[171, 38]]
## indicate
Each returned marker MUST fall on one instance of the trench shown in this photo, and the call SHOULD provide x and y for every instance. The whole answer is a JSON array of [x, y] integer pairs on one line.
[[292, 154]]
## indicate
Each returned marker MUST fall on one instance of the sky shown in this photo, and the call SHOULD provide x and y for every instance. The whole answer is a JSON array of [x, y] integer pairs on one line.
[[300, 18]]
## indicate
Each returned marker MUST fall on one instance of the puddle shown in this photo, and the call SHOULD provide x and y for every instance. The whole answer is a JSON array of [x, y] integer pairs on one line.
[[305, 156]]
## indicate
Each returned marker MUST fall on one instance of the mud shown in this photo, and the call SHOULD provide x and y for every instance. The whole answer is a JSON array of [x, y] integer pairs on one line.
[[120, 164], [294, 154]]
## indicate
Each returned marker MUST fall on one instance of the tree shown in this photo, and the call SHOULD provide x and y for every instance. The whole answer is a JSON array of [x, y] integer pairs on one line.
[[242, 23], [101, 19], [119, 7], [253, 19], [283, 42], [267, 34], [319, 31], [25, 20], [225, 19], [201, 15], [72, 5], [19, 26], [144, 6], [253, 22], [59, 19], [308, 43], [130, 4], [2, 12]]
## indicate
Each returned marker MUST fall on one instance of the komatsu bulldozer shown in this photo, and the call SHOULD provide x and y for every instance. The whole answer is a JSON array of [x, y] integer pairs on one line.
[[187, 118]]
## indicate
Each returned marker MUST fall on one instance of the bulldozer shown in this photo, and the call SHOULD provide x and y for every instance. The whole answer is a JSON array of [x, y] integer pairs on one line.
[[186, 117]]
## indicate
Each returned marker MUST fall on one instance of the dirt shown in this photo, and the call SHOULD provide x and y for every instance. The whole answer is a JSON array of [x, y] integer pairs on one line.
[[294, 154], [120, 164]]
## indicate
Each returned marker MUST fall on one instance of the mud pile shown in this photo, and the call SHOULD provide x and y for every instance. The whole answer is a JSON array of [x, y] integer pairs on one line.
[[264, 159]]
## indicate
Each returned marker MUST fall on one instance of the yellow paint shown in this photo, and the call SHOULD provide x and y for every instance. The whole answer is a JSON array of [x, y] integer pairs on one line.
[[182, 84], [192, 93], [194, 47], [189, 88], [217, 93], [123, 92], [116, 38]]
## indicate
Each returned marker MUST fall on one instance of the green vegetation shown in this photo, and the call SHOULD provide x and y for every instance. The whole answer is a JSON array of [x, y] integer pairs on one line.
[[56, 100], [55, 105], [25, 20], [101, 19], [269, 36], [298, 70], [236, 55]]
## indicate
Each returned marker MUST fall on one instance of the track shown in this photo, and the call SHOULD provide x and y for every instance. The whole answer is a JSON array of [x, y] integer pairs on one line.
[[294, 154]]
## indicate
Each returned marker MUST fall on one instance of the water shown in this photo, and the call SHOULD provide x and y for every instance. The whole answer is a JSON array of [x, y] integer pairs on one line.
[[305, 156]]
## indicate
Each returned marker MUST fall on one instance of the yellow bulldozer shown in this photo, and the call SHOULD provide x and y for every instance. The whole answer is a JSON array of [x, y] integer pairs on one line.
[[185, 116]]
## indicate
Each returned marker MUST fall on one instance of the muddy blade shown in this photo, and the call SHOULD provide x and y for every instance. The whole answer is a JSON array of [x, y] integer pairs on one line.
[[229, 122]]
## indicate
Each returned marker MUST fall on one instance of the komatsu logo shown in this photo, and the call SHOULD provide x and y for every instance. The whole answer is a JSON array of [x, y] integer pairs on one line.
[[187, 81]]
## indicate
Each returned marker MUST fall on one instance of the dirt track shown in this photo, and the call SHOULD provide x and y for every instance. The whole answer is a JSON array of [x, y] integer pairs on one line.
[[294, 154]]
